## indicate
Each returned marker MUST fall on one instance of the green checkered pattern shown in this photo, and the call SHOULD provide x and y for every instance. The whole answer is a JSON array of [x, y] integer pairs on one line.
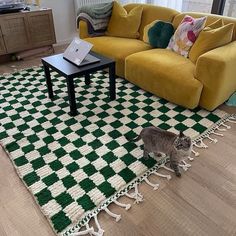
[[73, 164]]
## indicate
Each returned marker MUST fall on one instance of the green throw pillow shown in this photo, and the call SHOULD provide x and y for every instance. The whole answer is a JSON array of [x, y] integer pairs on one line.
[[158, 34]]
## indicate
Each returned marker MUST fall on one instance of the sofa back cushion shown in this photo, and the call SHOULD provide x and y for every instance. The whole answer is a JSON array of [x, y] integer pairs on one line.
[[210, 19], [151, 13], [124, 24], [210, 38]]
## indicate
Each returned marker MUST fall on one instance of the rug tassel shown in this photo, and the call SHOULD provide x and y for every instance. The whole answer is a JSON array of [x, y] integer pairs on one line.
[[196, 154], [190, 158], [185, 166], [168, 177], [100, 230], [87, 227], [135, 195], [226, 126], [154, 186], [214, 140], [89, 230], [126, 206], [220, 129], [218, 134], [201, 144], [166, 168], [232, 120], [117, 217]]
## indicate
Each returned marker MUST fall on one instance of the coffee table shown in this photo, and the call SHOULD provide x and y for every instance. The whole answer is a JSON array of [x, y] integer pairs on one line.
[[70, 71]]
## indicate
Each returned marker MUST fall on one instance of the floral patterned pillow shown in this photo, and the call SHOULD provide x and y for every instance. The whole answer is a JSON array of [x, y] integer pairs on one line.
[[186, 34]]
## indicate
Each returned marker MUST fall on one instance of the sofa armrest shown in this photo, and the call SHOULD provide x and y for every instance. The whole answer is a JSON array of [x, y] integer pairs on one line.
[[216, 70], [83, 29]]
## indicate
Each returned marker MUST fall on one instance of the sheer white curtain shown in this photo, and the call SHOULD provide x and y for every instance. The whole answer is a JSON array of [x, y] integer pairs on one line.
[[175, 4]]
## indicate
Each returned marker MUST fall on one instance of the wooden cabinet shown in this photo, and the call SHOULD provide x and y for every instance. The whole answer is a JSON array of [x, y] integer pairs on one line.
[[2, 45], [26, 30]]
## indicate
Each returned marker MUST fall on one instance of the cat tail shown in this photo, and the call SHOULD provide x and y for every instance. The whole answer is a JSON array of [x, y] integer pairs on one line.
[[134, 139]]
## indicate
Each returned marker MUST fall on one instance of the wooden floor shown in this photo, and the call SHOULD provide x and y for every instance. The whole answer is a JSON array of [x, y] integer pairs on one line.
[[202, 202]]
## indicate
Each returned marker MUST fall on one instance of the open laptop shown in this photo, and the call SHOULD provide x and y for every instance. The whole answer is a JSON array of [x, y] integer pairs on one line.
[[78, 53]]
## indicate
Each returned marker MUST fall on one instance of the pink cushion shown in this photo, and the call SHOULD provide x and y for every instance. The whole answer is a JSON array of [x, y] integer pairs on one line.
[[186, 34]]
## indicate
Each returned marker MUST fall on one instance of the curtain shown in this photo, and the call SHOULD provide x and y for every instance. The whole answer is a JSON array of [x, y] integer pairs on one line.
[[175, 4]]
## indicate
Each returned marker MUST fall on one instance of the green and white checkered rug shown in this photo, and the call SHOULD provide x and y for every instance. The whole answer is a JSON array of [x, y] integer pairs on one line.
[[76, 166]]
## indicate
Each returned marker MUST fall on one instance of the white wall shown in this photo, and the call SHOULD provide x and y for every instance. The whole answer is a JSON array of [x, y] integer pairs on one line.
[[64, 18]]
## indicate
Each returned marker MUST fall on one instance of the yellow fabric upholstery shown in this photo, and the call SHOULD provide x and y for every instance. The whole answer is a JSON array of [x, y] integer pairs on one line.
[[151, 13], [165, 74], [123, 24], [216, 24], [83, 29], [210, 19], [118, 49], [216, 70], [211, 38]]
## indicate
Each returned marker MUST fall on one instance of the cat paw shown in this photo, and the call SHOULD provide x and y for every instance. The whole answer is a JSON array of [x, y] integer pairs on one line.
[[178, 174]]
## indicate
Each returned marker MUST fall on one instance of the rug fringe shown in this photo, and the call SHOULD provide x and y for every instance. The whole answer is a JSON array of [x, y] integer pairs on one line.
[[217, 127], [184, 165], [123, 205], [168, 177], [89, 230], [200, 144], [154, 186], [166, 168], [100, 231], [116, 216], [135, 195]]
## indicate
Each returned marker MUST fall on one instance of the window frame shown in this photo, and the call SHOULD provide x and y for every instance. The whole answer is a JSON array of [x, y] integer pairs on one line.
[[218, 7]]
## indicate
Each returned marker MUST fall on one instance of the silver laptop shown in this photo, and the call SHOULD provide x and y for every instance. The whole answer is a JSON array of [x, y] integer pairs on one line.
[[78, 53]]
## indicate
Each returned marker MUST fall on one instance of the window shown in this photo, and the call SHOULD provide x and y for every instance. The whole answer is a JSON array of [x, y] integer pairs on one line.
[[225, 7], [197, 6], [230, 8]]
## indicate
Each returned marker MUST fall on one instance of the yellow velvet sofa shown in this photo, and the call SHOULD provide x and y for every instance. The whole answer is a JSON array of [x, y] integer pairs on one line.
[[208, 83]]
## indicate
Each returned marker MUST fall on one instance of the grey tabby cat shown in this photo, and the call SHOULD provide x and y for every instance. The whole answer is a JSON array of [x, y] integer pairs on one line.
[[158, 141]]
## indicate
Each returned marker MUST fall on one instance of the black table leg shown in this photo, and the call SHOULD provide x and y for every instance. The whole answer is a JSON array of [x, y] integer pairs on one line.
[[112, 81], [48, 80], [87, 79], [71, 96]]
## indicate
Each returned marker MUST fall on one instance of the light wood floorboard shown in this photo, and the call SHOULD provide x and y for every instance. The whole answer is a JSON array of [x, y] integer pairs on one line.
[[202, 202]]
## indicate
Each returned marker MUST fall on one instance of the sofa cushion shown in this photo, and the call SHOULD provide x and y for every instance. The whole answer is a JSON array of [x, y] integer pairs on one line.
[[118, 49], [123, 24], [210, 19], [151, 13], [210, 38], [158, 34], [186, 34], [165, 74]]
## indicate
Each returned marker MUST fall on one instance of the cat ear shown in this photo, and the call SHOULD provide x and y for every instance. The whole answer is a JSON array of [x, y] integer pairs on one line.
[[181, 134]]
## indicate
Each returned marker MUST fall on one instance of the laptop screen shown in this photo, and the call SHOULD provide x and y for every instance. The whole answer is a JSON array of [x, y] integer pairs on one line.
[[77, 51]]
